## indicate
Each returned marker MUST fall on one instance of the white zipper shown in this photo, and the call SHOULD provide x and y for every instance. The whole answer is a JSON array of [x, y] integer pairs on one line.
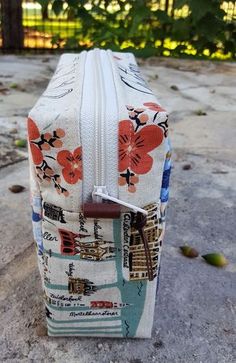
[[100, 128], [100, 120], [99, 131], [99, 124]]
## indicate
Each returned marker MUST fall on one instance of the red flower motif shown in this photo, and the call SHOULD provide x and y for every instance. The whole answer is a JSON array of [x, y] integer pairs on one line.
[[72, 163], [33, 134], [154, 107], [134, 146]]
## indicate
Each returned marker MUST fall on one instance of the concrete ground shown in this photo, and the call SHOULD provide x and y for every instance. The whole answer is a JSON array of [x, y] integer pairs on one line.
[[195, 318]]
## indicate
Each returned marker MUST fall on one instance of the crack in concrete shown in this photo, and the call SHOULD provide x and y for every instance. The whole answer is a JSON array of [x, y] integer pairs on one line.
[[14, 162]]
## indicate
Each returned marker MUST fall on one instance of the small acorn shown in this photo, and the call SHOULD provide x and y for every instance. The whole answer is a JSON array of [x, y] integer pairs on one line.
[[21, 142], [187, 167], [16, 188], [216, 259], [174, 87], [14, 85], [189, 251]]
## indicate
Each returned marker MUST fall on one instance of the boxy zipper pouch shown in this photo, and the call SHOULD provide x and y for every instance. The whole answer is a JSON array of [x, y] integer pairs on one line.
[[99, 175]]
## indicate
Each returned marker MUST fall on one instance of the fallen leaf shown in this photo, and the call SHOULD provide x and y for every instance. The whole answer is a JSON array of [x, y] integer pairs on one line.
[[220, 172], [4, 90], [41, 330], [13, 130]]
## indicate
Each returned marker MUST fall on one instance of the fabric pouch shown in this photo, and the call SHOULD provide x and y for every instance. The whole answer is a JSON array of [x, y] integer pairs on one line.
[[99, 176]]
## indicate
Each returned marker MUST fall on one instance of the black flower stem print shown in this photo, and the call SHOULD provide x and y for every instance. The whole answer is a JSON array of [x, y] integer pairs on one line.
[[164, 126], [41, 142], [45, 172], [48, 140], [155, 116], [130, 179], [59, 188], [49, 156], [138, 116]]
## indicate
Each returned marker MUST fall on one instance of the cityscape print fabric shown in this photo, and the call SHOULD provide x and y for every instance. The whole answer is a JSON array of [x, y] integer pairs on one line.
[[93, 270]]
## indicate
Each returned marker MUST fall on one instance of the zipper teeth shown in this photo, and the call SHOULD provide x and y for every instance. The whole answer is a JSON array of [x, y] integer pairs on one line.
[[114, 177], [100, 129], [97, 129], [87, 125], [103, 124], [99, 114], [94, 121]]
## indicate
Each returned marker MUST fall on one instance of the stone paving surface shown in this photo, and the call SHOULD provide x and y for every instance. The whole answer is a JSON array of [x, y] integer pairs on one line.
[[195, 320]]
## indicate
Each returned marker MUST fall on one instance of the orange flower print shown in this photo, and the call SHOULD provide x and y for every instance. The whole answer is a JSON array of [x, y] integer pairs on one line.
[[33, 134], [39, 143], [135, 146], [72, 164], [154, 107], [42, 142]]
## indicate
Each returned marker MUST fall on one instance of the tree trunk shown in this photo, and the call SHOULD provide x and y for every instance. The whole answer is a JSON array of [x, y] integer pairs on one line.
[[71, 14], [12, 27], [45, 13]]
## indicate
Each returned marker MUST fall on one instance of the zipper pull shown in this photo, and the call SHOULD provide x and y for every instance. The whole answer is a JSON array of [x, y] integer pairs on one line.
[[97, 191], [100, 193], [140, 219], [97, 209], [139, 223]]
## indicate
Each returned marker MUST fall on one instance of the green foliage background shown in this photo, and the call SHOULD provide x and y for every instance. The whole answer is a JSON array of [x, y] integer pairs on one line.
[[149, 27]]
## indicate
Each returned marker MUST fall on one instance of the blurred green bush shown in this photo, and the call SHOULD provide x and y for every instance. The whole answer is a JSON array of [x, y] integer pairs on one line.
[[148, 27]]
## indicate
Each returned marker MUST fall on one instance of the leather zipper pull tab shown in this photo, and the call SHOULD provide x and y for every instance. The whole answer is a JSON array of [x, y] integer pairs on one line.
[[139, 223]]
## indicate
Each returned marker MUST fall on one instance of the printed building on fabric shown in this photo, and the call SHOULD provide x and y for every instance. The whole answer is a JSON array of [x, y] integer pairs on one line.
[[137, 257]]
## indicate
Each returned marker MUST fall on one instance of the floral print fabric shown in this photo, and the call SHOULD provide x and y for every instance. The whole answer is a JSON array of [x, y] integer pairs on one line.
[[71, 162], [93, 270], [134, 147], [136, 141]]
